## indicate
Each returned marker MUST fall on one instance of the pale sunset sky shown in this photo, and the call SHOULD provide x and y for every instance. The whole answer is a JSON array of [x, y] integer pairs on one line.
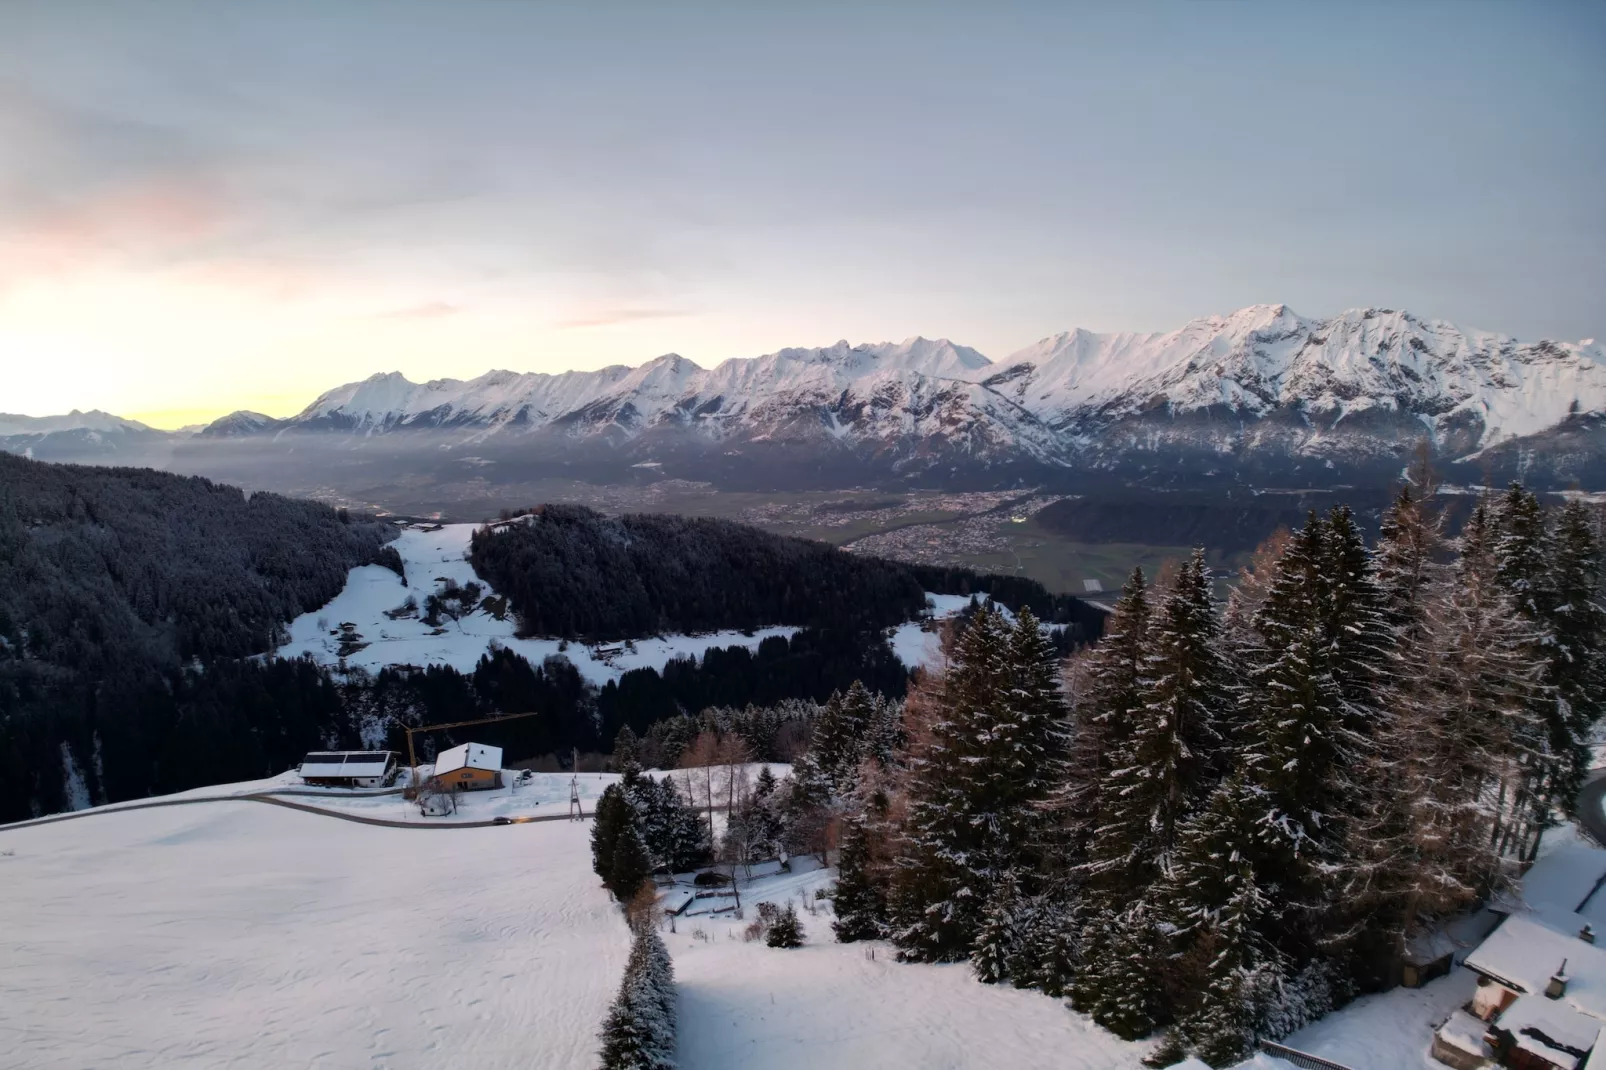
[[212, 206]]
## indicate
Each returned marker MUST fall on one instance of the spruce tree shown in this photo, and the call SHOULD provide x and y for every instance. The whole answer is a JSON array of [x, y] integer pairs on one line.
[[1102, 713], [976, 788], [613, 816], [997, 942], [1359, 644], [1118, 984], [631, 863], [1173, 754], [1219, 910], [859, 901], [1522, 553], [835, 741], [626, 749], [786, 931], [1578, 629], [1308, 739], [1491, 702]]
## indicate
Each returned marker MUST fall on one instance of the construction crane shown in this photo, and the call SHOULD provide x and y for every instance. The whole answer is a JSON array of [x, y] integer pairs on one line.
[[412, 758]]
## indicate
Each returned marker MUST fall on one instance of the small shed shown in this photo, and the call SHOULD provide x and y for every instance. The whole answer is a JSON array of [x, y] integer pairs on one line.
[[469, 767], [349, 769]]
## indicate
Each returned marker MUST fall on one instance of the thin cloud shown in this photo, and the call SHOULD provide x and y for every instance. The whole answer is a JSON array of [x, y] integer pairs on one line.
[[620, 316], [428, 311]]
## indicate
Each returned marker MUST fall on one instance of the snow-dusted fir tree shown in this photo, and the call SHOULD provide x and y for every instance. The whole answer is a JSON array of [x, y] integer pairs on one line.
[[885, 736], [1171, 755], [1360, 646], [786, 931], [1577, 632], [1306, 740], [1397, 855], [676, 838], [1168, 763], [1492, 697], [639, 1030], [1102, 714], [859, 901], [1522, 554], [1218, 908], [1117, 982], [837, 741], [975, 788], [997, 943]]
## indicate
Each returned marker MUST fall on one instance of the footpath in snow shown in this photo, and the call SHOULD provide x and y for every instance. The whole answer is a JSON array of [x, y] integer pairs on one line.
[[433, 557], [242, 935]]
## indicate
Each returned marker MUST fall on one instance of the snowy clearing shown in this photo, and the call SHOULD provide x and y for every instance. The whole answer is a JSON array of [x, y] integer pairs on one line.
[[241, 935], [919, 643], [746, 1005], [434, 557]]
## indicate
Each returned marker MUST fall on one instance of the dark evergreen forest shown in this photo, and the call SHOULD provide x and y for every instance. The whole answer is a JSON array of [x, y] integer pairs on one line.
[[568, 570], [112, 580], [134, 606]]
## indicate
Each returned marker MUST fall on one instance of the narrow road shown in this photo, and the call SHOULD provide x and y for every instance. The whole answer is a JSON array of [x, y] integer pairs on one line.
[[275, 799]]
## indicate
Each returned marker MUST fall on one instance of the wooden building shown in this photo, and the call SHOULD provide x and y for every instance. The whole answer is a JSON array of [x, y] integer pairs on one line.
[[469, 767]]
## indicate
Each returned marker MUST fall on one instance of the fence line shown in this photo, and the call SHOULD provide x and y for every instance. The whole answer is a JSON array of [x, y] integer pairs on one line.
[[1300, 1058]]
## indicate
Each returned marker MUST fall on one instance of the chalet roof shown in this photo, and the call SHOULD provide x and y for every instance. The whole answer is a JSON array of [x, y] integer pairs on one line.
[[469, 756], [1523, 953], [1550, 1028], [335, 763]]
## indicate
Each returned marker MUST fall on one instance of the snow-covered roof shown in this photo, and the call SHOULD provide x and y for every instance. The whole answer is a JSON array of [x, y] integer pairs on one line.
[[1466, 1032], [1550, 1028], [336, 763], [469, 756], [1523, 953], [1451, 938], [1597, 1057], [1562, 881]]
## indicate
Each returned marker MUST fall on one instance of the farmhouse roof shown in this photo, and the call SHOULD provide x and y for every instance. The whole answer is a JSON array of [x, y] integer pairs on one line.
[[335, 763], [468, 756]]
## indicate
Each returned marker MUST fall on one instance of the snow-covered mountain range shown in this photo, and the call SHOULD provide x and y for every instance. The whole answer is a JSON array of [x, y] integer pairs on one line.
[[1262, 394]]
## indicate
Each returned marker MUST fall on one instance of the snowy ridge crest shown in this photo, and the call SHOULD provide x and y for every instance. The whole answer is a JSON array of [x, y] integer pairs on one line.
[[1377, 372]]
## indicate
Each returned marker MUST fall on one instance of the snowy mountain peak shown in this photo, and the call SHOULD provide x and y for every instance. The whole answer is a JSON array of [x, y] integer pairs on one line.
[[76, 420], [1220, 393]]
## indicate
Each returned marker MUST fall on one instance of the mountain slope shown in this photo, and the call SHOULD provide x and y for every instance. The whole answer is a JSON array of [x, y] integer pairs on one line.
[[1263, 386], [1262, 397], [111, 580], [1379, 368]]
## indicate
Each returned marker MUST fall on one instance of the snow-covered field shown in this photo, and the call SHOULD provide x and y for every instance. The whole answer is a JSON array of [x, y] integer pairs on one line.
[[240, 935], [919, 643], [233, 934], [432, 558]]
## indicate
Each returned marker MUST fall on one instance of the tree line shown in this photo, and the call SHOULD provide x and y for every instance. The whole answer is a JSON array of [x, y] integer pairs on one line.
[[119, 589], [570, 571], [1230, 820]]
